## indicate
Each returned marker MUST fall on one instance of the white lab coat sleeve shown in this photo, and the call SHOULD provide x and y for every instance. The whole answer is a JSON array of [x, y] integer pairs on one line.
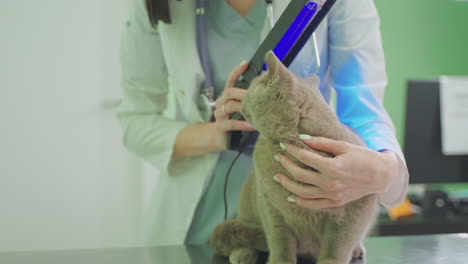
[[144, 80], [358, 74]]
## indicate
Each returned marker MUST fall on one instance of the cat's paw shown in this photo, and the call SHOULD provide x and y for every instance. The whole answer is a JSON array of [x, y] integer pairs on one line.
[[359, 252], [332, 261], [244, 256], [271, 261]]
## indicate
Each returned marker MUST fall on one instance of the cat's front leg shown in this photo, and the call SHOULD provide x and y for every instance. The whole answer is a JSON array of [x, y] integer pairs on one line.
[[282, 246], [358, 256], [341, 238], [359, 251], [282, 242], [336, 247], [244, 256]]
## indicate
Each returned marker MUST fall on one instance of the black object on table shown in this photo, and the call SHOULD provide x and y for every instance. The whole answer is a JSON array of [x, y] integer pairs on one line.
[[418, 225], [440, 214]]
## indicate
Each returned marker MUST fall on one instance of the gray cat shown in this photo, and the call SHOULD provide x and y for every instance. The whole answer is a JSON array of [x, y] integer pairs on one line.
[[281, 106]]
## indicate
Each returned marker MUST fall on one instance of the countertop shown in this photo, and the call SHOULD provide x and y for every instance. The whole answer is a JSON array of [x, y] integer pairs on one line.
[[427, 249]]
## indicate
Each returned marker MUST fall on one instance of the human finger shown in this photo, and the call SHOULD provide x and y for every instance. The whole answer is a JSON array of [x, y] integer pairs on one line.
[[315, 203], [335, 147], [308, 157], [228, 108], [299, 173], [236, 73], [230, 94], [228, 125], [304, 191]]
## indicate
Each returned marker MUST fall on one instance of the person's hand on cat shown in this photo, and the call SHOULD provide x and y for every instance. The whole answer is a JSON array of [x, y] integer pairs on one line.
[[230, 102], [353, 173]]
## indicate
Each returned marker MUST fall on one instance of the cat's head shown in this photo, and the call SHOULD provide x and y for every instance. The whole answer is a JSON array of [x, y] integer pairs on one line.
[[276, 100]]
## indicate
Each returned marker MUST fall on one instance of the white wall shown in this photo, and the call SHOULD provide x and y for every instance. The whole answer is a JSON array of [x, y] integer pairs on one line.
[[66, 181]]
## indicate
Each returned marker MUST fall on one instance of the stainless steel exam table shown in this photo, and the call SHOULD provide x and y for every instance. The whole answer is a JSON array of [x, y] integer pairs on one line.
[[428, 249]]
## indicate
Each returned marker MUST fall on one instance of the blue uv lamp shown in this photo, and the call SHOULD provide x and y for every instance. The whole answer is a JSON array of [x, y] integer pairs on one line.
[[298, 26], [290, 33]]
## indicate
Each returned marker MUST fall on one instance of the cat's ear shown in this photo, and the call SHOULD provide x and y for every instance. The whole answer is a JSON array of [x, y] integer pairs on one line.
[[313, 79], [275, 67], [272, 64]]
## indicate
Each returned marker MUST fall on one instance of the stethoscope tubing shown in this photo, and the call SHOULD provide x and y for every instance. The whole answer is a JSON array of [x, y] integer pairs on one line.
[[202, 46]]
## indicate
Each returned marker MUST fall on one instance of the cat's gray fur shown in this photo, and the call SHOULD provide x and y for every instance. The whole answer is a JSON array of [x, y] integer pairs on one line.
[[281, 106]]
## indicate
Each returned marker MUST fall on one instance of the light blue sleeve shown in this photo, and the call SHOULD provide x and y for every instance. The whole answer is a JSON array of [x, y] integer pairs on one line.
[[358, 74]]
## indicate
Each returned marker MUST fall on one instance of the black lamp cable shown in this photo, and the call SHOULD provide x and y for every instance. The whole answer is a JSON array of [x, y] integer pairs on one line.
[[242, 146], [226, 183]]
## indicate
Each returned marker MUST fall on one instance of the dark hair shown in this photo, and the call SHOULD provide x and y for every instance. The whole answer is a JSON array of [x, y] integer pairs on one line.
[[158, 10]]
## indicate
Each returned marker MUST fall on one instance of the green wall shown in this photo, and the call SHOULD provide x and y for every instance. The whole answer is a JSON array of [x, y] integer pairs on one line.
[[422, 39]]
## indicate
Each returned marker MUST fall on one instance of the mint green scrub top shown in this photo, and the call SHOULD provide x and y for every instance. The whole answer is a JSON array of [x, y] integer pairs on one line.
[[231, 39]]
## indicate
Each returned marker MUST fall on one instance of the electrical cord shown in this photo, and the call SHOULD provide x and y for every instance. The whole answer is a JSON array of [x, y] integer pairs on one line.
[[242, 146], [226, 183]]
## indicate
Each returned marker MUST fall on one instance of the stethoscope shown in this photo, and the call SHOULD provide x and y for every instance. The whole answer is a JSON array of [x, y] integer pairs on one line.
[[207, 87]]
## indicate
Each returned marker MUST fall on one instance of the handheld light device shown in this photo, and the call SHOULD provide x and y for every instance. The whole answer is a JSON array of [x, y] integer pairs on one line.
[[290, 33]]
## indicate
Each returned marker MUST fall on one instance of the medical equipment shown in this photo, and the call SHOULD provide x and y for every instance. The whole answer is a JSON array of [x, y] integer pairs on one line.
[[292, 30], [287, 37]]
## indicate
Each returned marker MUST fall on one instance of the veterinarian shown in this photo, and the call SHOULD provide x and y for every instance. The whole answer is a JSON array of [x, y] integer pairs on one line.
[[165, 113]]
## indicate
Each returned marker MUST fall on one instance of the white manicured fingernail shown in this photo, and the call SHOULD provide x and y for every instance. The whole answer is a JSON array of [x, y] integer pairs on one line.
[[243, 63], [291, 200], [277, 158], [276, 179], [283, 147], [305, 137]]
